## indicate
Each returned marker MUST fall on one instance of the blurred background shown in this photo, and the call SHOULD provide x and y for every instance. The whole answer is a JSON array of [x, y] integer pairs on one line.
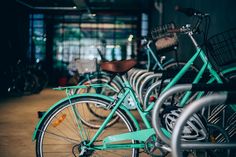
[[49, 34]]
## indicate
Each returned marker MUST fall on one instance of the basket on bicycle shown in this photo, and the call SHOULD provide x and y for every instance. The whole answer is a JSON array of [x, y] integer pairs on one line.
[[222, 47], [86, 65], [164, 39]]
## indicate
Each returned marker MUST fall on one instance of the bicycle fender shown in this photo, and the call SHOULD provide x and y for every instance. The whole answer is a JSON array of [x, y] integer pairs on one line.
[[131, 116], [35, 134]]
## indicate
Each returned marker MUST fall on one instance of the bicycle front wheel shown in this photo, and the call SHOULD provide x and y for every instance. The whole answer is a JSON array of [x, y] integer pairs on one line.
[[62, 132]]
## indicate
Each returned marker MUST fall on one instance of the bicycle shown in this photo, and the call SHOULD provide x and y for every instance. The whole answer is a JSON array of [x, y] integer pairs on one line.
[[215, 74], [68, 112], [54, 125], [60, 115], [163, 41], [108, 81]]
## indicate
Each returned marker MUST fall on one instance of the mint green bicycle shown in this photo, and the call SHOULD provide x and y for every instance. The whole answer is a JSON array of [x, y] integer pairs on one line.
[[61, 131]]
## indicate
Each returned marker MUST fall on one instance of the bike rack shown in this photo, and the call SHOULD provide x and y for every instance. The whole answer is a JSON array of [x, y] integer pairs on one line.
[[157, 109], [140, 79], [195, 106], [215, 99], [149, 78]]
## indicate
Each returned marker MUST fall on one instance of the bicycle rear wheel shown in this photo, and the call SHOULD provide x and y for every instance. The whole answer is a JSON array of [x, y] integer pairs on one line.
[[97, 112], [62, 132]]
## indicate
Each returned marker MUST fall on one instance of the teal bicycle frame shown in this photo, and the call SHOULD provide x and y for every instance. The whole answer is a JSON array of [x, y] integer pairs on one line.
[[151, 55], [140, 135], [206, 65], [143, 135]]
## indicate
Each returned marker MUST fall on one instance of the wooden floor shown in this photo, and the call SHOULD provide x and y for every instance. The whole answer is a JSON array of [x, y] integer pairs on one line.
[[18, 117]]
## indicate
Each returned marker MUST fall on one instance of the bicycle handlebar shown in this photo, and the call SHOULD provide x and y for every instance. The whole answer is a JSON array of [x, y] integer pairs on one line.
[[187, 11], [190, 11]]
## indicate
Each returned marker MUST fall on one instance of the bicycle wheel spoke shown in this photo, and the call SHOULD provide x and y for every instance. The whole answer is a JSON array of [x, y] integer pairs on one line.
[[68, 128], [64, 132], [61, 137], [74, 122]]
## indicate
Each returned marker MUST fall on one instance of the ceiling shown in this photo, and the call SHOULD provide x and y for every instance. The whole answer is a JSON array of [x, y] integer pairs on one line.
[[95, 6]]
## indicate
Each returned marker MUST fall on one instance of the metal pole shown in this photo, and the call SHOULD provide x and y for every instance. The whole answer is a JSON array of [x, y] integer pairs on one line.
[[186, 114], [157, 108]]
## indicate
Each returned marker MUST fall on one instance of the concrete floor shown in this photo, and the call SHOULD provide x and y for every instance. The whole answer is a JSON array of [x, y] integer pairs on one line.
[[18, 117]]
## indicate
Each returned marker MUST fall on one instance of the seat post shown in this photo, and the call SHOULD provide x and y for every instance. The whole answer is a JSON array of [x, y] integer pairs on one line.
[[124, 78]]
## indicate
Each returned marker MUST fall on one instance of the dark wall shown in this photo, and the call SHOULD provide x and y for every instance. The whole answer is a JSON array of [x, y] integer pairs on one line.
[[14, 33], [222, 12], [223, 17], [13, 40]]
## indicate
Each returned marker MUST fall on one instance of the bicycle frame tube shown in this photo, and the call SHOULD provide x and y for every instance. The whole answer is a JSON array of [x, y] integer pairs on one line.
[[149, 60], [213, 73], [140, 135], [125, 136], [196, 80], [142, 113], [210, 68], [157, 63], [118, 146], [183, 70], [206, 65], [215, 77], [117, 104], [87, 86]]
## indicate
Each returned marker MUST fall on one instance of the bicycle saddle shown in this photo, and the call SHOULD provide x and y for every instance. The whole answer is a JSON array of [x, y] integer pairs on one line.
[[118, 66]]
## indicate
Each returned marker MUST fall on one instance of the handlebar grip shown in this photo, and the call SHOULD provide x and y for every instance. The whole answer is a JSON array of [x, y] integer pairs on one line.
[[187, 11]]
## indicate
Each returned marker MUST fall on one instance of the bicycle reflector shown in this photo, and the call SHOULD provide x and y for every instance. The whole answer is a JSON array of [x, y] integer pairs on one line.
[[152, 99], [59, 120]]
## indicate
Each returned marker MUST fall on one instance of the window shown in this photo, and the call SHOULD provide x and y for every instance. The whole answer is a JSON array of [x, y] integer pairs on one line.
[[76, 37], [37, 38]]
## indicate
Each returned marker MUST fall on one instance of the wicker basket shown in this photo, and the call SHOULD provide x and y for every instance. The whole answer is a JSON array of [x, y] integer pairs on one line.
[[86, 66], [222, 47], [164, 39]]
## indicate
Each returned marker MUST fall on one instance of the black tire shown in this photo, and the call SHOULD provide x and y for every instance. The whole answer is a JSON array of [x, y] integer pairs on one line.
[[58, 138]]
